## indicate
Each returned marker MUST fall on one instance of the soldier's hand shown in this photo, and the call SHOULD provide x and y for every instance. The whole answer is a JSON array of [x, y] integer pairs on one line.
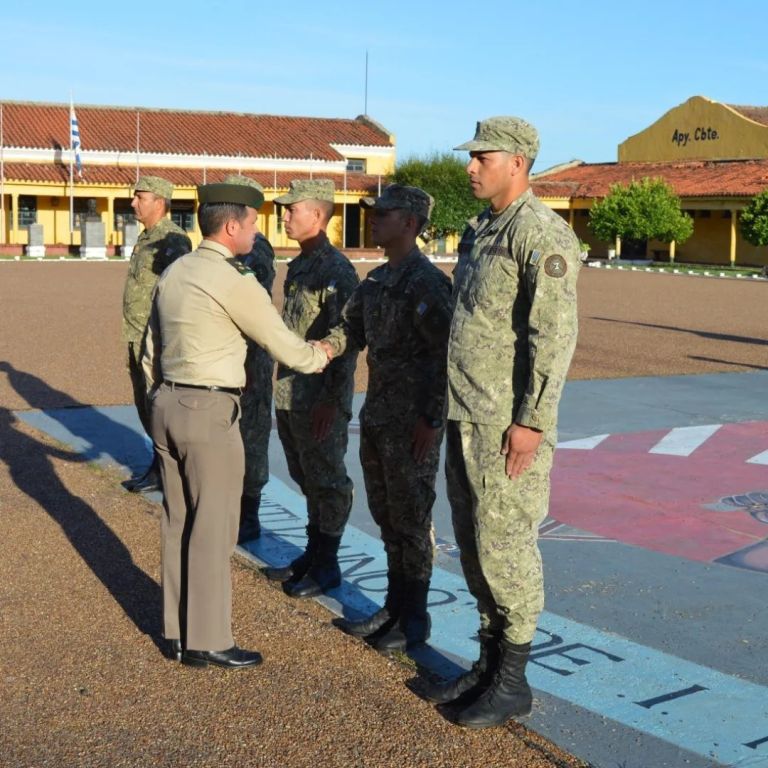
[[519, 446], [323, 348], [327, 348], [423, 439], [323, 415]]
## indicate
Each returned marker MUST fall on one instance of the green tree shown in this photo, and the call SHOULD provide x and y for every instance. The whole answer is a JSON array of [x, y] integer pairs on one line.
[[444, 177], [643, 210], [754, 220]]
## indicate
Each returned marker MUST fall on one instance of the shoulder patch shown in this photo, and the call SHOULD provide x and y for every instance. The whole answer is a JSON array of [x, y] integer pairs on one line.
[[535, 257], [555, 265]]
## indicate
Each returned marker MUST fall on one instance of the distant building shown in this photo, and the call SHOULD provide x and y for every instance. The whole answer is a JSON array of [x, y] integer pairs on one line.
[[188, 148], [715, 158]]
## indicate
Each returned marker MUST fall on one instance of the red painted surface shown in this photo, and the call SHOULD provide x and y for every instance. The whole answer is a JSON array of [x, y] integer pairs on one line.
[[659, 502]]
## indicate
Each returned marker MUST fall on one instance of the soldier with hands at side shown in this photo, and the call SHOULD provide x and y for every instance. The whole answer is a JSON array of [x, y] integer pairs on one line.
[[256, 401], [401, 312], [313, 412], [160, 243], [204, 308], [512, 337]]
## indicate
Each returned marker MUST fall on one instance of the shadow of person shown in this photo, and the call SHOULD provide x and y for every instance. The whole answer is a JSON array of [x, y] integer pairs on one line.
[[30, 464], [97, 436]]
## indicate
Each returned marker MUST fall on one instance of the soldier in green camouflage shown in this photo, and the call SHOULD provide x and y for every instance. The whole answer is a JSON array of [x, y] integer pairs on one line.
[[402, 313], [256, 400], [313, 412], [161, 243], [512, 338]]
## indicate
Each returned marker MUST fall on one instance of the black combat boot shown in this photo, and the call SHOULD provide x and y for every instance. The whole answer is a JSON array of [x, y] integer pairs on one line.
[[508, 696], [250, 527], [413, 626], [324, 572], [467, 687], [381, 621], [296, 569]]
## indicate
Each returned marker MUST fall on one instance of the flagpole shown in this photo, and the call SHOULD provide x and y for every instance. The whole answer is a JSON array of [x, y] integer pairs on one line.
[[138, 135], [344, 214], [2, 178], [71, 175]]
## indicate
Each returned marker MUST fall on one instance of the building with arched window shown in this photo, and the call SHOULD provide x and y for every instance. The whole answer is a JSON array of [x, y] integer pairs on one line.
[[39, 182]]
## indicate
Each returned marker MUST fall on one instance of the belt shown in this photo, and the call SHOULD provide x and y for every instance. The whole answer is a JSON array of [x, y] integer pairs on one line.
[[208, 388]]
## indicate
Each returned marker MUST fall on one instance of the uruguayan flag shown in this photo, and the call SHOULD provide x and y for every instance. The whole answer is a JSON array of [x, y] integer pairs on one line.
[[74, 139]]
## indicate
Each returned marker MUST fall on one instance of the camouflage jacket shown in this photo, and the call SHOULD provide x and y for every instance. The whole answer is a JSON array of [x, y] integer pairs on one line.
[[155, 249], [403, 316], [261, 263], [316, 288], [514, 324]]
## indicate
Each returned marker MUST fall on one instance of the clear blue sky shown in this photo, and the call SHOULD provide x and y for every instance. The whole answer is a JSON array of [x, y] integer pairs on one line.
[[587, 74]]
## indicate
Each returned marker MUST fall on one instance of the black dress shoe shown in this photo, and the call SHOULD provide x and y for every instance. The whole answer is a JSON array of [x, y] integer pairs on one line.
[[232, 658], [173, 651]]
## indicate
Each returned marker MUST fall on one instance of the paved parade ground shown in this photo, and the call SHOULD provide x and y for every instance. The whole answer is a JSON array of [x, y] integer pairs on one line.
[[651, 651]]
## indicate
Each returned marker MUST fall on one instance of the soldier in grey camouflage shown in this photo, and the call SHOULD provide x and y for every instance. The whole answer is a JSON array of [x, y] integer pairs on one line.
[[313, 412], [256, 400], [402, 313], [512, 338], [160, 243]]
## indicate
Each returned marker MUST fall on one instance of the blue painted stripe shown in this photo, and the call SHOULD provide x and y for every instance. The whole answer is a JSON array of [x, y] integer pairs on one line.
[[714, 715]]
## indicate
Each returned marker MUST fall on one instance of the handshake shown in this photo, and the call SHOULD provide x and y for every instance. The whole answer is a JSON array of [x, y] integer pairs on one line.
[[325, 347]]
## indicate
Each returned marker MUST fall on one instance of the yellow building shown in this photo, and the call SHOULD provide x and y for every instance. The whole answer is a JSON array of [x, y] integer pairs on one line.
[[188, 148], [715, 158]]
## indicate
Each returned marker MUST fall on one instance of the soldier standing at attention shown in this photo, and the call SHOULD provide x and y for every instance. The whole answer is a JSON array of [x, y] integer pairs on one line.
[[203, 309], [512, 338], [256, 401], [313, 412], [402, 313], [157, 246]]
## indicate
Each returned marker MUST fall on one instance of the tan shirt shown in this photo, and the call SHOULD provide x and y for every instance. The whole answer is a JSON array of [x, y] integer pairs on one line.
[[203, 309]]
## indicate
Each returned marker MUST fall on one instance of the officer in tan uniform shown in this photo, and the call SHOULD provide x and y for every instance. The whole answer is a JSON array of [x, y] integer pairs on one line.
[[160, 243], [313, 412], [512, 338], [204, 307]]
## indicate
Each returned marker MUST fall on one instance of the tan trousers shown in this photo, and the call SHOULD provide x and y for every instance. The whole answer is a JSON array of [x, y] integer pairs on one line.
[[197, 438]]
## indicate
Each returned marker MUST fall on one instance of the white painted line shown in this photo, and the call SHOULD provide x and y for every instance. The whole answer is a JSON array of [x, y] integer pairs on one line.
[[761, 458], [683, 441], [584, 443]]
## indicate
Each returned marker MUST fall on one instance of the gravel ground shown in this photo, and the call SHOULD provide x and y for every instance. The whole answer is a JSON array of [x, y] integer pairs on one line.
[[82, 680]]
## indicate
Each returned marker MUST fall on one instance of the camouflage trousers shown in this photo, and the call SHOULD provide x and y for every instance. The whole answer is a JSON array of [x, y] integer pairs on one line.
[[496, 522], [400, 497], [255, 427], [318, 468], [139, 382]]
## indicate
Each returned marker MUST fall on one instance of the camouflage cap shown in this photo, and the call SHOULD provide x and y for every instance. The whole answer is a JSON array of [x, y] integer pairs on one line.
[[504, 134], [405, 198], [236, 178], [308, 189], [156, 185], [237, 194]]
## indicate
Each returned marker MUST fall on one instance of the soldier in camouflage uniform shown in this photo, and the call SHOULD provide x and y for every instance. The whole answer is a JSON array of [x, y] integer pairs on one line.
[[161, 243], [313, 412], [512, 338], [402, 313], [256, 400]]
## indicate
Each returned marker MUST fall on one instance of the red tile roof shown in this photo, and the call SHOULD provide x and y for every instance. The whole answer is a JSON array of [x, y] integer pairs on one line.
[[182, 177], [758, 114], [166, 131], [724, 178]]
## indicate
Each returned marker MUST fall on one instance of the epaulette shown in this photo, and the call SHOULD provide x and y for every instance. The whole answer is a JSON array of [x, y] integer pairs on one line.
[[243, 269]]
